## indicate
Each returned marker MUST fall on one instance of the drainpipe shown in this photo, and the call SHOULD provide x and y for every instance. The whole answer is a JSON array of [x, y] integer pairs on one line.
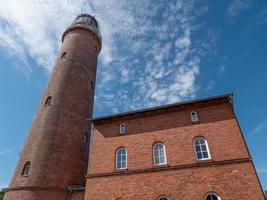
[[72, 188]]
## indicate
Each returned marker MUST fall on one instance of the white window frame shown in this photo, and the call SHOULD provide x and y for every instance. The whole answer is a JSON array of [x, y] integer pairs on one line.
[[196, 115], [116, 163], [154, 157], [122, 130], [207, 146], [212, 193], [159, 198]]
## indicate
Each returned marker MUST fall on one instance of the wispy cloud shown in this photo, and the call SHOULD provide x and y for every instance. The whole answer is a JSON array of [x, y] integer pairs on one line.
[[149, 56], [259, 128], [4, 152], [262, 170], [236, 6]]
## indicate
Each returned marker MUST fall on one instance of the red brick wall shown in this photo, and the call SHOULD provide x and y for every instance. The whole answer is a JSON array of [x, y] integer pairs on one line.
[[175, 129], [231, 182]]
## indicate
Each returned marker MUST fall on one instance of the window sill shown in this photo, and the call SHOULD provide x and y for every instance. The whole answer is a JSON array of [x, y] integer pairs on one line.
[[121, 170], [161, 165], [205, 160], [24, 175]]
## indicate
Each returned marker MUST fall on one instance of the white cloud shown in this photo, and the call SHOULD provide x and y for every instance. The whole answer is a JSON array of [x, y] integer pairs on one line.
[[183, 42], [3, 185], [148, 55]]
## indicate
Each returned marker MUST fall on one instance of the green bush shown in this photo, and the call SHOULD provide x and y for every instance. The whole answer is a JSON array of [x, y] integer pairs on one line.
[[1, 194]]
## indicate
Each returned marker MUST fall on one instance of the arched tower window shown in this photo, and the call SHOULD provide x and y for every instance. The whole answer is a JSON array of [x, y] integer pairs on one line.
[[122, 128], [212, 196], [48, 101], [201, 148], [121, 158], [159, 154], [162, 198], [64, 55], [92, 85], [194, 117], [26, 168], [86, 138]]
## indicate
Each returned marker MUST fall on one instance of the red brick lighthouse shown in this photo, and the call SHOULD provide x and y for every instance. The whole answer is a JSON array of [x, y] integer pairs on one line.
[[53, 161]]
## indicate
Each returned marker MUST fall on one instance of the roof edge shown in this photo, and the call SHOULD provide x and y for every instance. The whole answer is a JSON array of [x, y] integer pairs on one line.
[[105, 117]]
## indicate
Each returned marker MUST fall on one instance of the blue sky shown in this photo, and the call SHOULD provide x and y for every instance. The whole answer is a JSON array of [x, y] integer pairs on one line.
[[154, 53]]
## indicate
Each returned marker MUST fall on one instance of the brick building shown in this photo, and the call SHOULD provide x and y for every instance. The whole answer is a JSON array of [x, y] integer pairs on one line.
[[190, 150]]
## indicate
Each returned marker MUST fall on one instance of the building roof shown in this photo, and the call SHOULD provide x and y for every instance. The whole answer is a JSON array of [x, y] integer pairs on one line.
[[227, 96]]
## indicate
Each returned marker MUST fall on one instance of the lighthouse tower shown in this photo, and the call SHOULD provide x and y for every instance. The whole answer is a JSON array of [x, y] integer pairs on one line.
[[54, 156]]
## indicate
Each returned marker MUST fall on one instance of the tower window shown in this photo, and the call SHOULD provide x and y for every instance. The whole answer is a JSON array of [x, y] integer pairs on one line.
[[26, 168], [162, 198], [95, 47], [86, 138], [64, 55], [159, 154], [92, 85], [201, 149], [48, 101], [122, 128], [194, 117], [121, 158], [212, 196]]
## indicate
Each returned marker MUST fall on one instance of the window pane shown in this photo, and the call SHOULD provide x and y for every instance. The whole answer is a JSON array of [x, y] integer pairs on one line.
[[203, 147], [118, 165], [199, 155], [156, 153], [209, 197], [201, 141], [197, 148], [161, 153], [205, 154], [162, 160]]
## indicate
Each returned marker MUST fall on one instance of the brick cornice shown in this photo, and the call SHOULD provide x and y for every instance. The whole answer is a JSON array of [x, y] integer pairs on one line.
[[86, 28], [40, 188], [209, 163]]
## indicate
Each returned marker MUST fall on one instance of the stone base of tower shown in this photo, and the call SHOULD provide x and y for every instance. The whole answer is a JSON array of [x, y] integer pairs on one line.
[[35, 194]]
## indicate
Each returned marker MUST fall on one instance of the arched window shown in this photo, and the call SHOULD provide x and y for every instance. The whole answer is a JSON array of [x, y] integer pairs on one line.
[[92, 84], [194, 117], [121, 158], [159, 154], [122, 128], [86, 138], [48, 101], [162, 198], [26, 168], [201, 148], [212, 196], [64, 54]]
